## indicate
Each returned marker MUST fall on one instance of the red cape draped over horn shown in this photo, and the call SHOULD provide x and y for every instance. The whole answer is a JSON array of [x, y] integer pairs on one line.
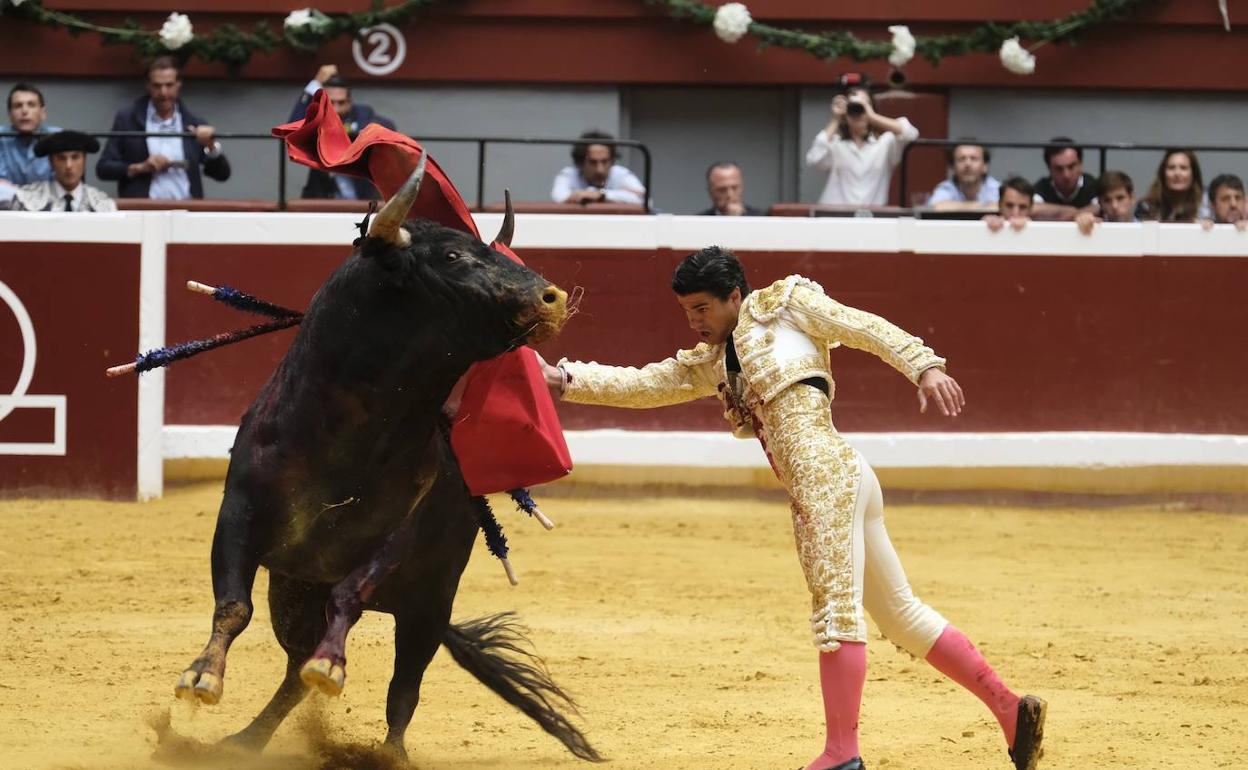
[[506, 433]]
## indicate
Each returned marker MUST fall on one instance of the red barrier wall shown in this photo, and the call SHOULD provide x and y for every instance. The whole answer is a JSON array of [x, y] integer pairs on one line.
[[215, 389], [83, 302], [1038, 343]]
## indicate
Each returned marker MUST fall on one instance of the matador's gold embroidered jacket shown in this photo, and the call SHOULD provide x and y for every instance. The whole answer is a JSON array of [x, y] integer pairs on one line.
[[783, 336]]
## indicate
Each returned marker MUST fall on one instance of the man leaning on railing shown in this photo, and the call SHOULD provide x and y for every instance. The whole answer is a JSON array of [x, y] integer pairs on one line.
[[162, 167], [595, 177]]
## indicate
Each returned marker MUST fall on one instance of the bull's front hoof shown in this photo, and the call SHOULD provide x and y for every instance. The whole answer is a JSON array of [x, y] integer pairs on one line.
[[204, 687], [325, 675]]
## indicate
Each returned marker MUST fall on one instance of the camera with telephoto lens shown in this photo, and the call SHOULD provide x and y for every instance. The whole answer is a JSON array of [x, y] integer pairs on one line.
[[850, 81]]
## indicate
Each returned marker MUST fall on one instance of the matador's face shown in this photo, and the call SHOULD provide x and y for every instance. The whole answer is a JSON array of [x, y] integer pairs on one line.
[[710, 317]]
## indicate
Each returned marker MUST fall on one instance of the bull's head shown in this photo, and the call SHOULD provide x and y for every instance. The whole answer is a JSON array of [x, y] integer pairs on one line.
[[499, 302]]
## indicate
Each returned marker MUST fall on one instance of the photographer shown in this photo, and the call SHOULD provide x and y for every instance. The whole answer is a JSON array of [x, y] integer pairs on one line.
[[859, 147]]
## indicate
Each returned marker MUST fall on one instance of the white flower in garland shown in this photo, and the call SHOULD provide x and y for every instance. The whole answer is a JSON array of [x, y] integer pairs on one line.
[[732, 21], [1017, 59], [305, 28], [903, 46], [298, 19], [16, 3], [176, 31]]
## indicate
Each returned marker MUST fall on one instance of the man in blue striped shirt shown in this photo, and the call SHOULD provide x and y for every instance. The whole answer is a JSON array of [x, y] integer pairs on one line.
[[27, 113]]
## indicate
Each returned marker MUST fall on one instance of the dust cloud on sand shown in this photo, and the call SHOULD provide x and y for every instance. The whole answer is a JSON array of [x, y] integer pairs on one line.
[[678, 623]]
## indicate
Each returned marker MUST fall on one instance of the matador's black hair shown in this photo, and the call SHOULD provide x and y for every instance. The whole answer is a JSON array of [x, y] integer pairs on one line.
[[713, 270]]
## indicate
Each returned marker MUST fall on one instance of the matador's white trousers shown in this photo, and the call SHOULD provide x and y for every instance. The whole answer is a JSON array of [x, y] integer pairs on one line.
[[838, 523]]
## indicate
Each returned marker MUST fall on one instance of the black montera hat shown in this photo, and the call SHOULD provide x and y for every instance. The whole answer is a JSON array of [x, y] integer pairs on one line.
[[66, 141]]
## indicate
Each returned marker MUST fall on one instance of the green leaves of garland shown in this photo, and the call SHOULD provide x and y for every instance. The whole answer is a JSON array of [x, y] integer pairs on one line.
[[235, 47]]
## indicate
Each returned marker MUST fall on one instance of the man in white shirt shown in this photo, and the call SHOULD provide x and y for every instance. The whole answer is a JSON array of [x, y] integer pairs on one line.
[[860, 148], [67, 153], [595, 177]]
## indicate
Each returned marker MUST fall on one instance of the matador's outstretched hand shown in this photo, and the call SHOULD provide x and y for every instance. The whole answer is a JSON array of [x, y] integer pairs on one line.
[[935, 385], [556, 380]]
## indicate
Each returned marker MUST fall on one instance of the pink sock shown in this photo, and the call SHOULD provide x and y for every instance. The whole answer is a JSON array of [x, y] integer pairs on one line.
[[841, 676], [954, 656]]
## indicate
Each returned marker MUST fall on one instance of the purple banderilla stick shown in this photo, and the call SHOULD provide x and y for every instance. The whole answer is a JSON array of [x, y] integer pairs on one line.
[[283, 318]]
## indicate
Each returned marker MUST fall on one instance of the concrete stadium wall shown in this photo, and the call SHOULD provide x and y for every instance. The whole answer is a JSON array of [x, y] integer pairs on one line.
[[1117, 351]]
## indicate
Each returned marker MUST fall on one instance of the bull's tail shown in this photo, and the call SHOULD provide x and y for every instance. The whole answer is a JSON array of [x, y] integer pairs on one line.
[[493, 649]]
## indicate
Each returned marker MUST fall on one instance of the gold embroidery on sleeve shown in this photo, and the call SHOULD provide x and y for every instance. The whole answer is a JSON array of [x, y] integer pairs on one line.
[[828, 319], [687, 377]]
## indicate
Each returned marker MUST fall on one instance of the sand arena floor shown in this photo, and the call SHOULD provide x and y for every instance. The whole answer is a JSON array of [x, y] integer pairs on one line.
[[678, 623]]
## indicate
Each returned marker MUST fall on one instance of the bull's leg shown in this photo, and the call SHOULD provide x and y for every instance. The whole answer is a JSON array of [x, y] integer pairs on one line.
[[326, 670], [298, 622], [417, 636], [234, 565]]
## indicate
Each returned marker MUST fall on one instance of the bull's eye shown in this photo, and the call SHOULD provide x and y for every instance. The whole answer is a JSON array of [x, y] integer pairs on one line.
[[451, 256]]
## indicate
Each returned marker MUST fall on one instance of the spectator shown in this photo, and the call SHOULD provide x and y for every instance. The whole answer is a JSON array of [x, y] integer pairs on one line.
[[1066, 190], [67, 153], [594, 176], [1176, 194], [1015, 205], [27, 112], [164, 167], [969, 186], [859, 148], [1226, 193], [724, 185], [322, 184], [1115, 195]]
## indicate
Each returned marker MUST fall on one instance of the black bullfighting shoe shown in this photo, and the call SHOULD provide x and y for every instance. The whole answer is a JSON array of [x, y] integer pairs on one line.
[[852, 764], [1028, 733]]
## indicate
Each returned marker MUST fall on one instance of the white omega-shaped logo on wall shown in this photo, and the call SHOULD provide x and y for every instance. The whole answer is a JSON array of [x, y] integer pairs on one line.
[[18, 399], [379, 50]]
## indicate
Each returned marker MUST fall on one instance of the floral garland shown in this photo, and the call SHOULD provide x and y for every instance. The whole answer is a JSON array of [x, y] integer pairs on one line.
[[732, 21], [308, 29], [304, 30]]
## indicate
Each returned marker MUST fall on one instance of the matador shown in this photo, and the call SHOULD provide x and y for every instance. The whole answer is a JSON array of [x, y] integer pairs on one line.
[[765, 355]]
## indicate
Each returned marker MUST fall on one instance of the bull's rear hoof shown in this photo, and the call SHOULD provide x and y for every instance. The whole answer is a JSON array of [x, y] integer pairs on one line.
[[196, 686], [325, 675]]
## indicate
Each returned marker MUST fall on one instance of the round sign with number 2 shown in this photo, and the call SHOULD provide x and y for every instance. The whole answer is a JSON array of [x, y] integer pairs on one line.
[[379, 50]]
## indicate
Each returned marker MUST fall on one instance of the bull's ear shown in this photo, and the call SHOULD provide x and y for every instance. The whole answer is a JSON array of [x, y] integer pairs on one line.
[[508, 227], [388, 224]]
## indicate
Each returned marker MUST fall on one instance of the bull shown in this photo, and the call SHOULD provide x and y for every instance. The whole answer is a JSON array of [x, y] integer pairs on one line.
[[343, 484]]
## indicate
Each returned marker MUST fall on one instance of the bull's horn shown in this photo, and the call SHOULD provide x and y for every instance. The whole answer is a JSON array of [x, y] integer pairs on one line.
[[509, 222], [388, 223]]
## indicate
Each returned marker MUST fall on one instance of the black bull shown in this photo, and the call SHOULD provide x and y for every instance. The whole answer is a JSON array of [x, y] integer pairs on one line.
[[342, 482]]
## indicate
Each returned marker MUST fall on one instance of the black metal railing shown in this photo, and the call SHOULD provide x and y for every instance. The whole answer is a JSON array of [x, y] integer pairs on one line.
[[1101, 148], [480, 141]]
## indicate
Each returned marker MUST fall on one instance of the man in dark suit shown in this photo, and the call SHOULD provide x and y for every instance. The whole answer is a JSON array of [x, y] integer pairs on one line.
[[165, 167], [354, 117], [724, 186]]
